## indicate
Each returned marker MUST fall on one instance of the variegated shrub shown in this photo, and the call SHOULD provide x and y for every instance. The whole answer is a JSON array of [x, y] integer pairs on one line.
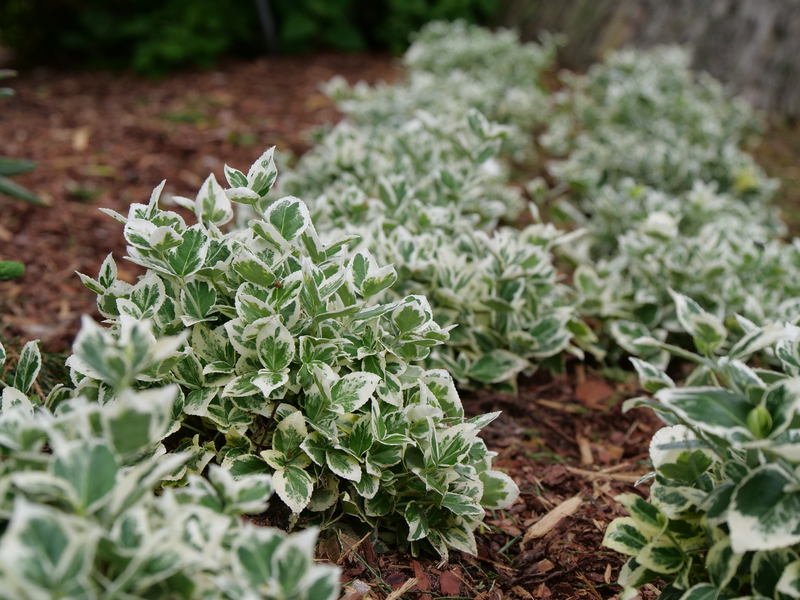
[[640, 242], [422, 197], [78, 513], [432, 171], [501, 291], [723, 519], [645, 115], [289, 366], [453, 67], [658, 178]]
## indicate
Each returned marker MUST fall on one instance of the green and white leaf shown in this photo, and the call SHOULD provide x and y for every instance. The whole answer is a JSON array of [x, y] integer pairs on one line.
[[28, 366], [499, 490], [294, 486], [765, 511], [343, 465], [352, 391], [497, 365]]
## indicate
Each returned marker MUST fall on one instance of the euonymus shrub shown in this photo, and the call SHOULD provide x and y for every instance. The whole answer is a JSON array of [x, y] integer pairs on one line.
[[432, 171], [79, 519], [288, 365], [640, 242], [502, 291], [645, 115], [668, 198], [453, 67], [723, 518], [419, 168], [421, 197]]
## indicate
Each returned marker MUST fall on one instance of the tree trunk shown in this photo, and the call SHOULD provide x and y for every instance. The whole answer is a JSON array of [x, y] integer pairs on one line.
[[752, 44]]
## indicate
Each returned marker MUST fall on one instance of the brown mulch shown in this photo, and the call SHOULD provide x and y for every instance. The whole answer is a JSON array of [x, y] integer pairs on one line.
[[776, 152], [107, 139]]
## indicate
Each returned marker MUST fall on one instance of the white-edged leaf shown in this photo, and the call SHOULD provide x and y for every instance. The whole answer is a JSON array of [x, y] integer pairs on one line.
[[661, 556], [212, 205], [763, 515], [496, 366], [460, 537], [275, 345], [499, 490], [289, 216], [712, 409], [294, 486], [789, 583], [343, 465], [262, 173], [13, 397], [756, 340], [353, 390], [28, 366], [624, 536], [651, 378], [417, 520], [768, 568]]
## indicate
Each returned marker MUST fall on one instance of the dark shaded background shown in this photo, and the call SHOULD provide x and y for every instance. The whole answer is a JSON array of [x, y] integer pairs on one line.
[[155, 36]]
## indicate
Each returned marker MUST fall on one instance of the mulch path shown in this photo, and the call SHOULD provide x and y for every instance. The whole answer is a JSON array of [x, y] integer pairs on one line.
[[777, 153], [105, 140]]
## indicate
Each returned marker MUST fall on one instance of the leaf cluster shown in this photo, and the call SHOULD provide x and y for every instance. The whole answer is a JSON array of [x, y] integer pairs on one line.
[[453, 67], [287, 362], [653, 160], [427, 196], [80, 519], [645, 115], [722, 521]]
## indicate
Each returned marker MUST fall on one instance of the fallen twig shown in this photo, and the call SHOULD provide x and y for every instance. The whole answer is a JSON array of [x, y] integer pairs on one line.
[[601, 475], [551, 519]]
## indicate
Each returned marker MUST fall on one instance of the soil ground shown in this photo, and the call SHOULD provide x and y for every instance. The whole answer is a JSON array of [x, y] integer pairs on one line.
[[105, 140], [778, 152]]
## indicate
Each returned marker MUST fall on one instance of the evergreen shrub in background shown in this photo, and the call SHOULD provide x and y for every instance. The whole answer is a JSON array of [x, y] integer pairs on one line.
[[153, 37]]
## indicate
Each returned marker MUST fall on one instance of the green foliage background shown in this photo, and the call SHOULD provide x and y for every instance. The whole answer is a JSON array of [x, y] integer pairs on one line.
[[155, 36], [150, 36]]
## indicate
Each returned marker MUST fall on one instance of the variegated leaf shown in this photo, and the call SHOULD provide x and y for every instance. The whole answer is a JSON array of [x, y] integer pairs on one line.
[[294, 486], [352, 391], [275, 345], [343, 465], [499, 490]]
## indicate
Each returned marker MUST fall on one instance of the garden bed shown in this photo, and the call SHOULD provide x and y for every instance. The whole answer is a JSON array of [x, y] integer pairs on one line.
[[104, 140]]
